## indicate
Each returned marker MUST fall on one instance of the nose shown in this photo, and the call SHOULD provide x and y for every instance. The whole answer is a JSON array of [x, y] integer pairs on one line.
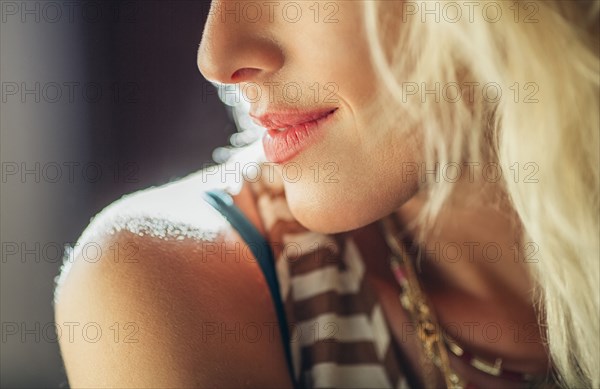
[[234, 50]]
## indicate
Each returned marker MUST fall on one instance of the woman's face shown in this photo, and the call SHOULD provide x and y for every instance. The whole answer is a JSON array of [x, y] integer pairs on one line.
[[349, 169]]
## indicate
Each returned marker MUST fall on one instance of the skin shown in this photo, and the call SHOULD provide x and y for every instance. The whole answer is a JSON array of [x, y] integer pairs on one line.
[[176, 282], [160, 301], [274, 52]]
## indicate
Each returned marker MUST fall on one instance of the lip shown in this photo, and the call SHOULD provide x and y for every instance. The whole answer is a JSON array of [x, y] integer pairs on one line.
[[302, 129]]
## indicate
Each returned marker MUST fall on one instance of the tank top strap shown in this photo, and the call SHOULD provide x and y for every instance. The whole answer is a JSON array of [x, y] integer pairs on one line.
[[223, 202]]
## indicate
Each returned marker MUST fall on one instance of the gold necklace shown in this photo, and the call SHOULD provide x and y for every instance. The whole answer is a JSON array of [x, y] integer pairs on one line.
[[436, 344], [415, 302]]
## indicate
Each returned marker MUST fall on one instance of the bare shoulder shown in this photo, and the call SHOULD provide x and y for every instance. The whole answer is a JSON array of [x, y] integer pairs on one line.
[[163, 292]]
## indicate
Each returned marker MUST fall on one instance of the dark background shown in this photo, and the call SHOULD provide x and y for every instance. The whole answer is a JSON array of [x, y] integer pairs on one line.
[[140, 114]]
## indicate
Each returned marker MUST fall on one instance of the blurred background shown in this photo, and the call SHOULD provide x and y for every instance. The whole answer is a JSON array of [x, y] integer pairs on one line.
[[99, 99]]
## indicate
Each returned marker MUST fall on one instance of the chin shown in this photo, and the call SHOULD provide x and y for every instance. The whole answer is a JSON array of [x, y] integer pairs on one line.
[[332, 209]]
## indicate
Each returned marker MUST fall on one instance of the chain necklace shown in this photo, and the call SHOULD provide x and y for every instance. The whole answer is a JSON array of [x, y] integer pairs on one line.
[[436, 344], [414, 301]]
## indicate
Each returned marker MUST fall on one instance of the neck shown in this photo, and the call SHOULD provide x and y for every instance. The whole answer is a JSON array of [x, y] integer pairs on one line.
[[474, 242]]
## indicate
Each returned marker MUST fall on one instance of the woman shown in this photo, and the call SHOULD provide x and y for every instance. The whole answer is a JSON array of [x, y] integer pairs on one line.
[[428, 198]]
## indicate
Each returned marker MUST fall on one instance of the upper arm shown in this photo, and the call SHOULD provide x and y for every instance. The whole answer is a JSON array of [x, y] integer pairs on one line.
[[162, 313]]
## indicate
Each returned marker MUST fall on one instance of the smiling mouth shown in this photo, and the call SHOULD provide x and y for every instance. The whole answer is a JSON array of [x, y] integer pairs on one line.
[[290, 133], [283, 120]]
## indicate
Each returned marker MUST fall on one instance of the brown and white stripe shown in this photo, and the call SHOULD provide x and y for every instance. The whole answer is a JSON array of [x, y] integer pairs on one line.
[[339, 336]]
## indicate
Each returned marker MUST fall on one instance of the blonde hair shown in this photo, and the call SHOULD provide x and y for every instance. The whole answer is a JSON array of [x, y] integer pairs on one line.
[[543, 57]]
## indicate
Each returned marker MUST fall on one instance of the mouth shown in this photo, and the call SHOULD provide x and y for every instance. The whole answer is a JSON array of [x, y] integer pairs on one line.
[[290, 132], [282, 120]]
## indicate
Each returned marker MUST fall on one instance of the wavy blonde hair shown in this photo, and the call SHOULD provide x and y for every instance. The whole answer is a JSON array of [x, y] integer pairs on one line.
[[550, 48]]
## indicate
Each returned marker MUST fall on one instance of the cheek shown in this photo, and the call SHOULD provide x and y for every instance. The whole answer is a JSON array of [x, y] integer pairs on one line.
[[355, 175], [346, 184]]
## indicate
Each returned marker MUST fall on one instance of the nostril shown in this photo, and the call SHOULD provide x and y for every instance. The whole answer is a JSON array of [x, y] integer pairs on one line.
[[243, 74]]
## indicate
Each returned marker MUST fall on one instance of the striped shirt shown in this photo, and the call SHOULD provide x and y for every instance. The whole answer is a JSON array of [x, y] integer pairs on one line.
[[338, 333]]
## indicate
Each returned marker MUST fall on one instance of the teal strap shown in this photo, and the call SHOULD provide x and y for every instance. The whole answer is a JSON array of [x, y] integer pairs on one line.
[[223, 202]]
